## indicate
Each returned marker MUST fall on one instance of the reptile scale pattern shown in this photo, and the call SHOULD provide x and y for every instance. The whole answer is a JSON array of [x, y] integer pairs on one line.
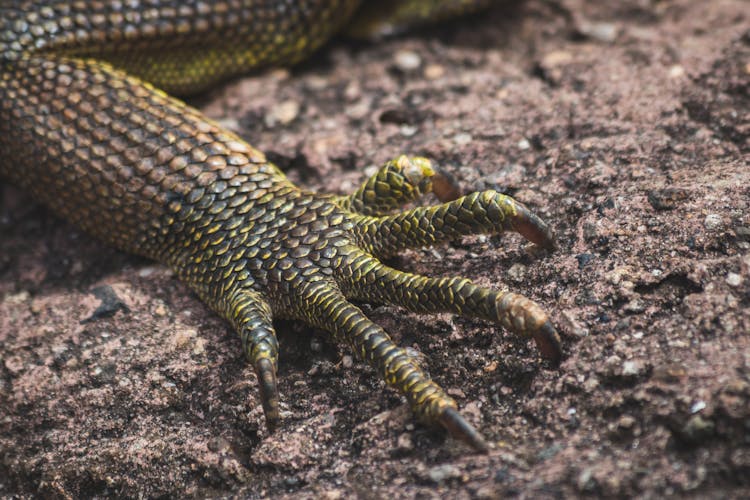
[[88, 128]]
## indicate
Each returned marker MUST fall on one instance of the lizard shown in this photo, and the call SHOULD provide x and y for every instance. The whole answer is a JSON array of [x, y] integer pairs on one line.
[[90, 126]]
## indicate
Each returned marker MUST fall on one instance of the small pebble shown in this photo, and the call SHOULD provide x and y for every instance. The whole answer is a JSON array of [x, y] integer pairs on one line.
[[603, 32], [347, 361], [408, 130], [434, 71], [283, 113], [487, 492], [14, 364], [632, 368], [591, 384], [200, 346], [37, 306], [516, 272], [635, 306], [17, 298], [160, 309], [557, 58], [441, 473], [146, 272], [462, 139], [353, 91], [626, 422], [585, 480], [404, 442], [232, 124], [184, 336], [697, 406], [456, 393], [713, 222], [734, 279], [676, 71], [317, 82], [612, 361], [407, 60]]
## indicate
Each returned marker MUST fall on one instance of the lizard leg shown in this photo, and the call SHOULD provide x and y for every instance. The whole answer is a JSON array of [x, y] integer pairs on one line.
[[328, 309], [368, 279], [396, 183], [476, 213], [250, 314]]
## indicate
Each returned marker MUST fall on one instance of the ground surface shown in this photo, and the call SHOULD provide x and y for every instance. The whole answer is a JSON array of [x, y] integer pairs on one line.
[[624, 124]]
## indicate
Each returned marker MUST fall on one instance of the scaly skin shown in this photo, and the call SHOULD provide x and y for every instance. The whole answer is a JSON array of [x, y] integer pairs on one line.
[[83, 132]]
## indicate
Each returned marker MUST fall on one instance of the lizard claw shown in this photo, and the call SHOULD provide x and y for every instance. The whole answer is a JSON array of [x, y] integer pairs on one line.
[[460, 429], [548, 341]]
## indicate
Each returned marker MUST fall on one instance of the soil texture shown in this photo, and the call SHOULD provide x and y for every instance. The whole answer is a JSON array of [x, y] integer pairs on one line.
[[625, 125]]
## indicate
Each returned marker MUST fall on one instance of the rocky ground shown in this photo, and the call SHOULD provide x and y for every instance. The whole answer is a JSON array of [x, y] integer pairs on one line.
[[623, 124]]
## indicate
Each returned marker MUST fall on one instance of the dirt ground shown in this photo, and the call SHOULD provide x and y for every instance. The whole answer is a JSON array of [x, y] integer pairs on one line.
[[626, 125]]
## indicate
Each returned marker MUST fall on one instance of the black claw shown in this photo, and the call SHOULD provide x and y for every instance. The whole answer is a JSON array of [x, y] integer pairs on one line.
[[531, 227], [269, 392], [445, 186], [459, 428], [549, 343]]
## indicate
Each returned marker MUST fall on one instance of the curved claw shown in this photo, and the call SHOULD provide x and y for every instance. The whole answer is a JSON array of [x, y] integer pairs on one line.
[[548, 341], [445, 186], [269, 392], [531, 227], [459, 428], [485, 212]]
